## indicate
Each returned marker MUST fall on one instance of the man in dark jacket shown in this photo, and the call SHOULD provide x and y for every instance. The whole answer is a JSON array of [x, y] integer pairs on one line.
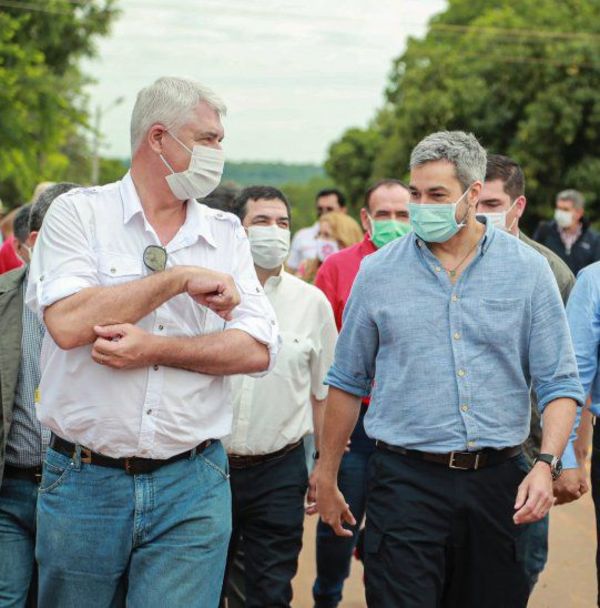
[[569, 234], [22, 439]]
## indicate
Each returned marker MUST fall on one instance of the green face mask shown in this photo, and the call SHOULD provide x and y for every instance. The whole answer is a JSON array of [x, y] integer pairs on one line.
[[386, 231]]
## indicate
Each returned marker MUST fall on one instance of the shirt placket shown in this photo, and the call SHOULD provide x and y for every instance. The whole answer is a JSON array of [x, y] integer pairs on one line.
[[244, 415], [455, 325], [154, 390]]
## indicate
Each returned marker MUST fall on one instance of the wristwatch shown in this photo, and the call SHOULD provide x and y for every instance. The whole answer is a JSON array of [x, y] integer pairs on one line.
[[554, 462]]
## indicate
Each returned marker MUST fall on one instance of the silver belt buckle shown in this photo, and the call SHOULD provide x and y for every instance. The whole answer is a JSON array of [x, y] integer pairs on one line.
[[452, 464]]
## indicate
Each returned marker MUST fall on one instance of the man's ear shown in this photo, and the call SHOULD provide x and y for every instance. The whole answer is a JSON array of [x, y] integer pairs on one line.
[[364, 220], [155, 136], [474, 194], [31, 239], [521, 204]]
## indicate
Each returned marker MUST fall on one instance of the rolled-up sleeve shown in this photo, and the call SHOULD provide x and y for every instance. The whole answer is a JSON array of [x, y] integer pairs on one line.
[[583, 313], [254, 315], [353, 368], [63, 262], [551, 358]]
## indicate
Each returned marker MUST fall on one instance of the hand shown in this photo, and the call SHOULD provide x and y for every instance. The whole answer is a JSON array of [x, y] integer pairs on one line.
[[215, 290], [311, 495], [534, 496], [123, 346], [333, 508], [571, 485]]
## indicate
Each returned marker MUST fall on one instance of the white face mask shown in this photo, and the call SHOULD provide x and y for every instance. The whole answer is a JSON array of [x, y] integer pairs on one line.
[[326, 248], [498, 218], [202, 175], [270, 245], [563, 218]]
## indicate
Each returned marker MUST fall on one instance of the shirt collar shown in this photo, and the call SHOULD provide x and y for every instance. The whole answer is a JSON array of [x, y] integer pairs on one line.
[[197, 222], [272, 283]]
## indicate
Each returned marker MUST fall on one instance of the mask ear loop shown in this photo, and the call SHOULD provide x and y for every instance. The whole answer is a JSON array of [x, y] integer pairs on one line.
[[466, 215], [164, 160], [516, 218]]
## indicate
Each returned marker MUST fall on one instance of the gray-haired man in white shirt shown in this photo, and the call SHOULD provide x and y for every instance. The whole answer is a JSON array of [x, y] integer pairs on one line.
[[272, 414], [150, 299]]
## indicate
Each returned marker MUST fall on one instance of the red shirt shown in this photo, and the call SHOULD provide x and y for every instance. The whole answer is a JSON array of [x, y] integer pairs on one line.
[[337, 273], [9, 260]]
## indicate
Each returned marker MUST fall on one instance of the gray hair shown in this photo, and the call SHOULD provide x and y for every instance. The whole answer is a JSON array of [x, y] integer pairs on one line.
[[461, 149], [572, 195], [170, 101], [43, 202]]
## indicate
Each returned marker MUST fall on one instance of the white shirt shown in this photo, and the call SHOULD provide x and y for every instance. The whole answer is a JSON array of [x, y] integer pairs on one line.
[[96, 237], [274, 411], [303, 247]]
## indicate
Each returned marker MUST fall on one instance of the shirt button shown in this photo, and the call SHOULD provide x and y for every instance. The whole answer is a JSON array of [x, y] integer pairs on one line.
[[464, 407], [437, 269], [472, 444], [155, 368], [461, 372], [457, 335], [454, 298], [113, 270], [148, 412], [160, 327]]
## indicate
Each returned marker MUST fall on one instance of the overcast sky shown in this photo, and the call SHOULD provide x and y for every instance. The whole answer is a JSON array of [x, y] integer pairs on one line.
[[294, 74]]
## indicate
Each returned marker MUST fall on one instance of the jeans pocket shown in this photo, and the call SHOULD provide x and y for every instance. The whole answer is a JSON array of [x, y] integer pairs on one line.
[[52, 477], [216, 459]]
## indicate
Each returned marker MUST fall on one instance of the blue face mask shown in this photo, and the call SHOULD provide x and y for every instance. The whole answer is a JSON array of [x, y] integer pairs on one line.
[[436, 222]]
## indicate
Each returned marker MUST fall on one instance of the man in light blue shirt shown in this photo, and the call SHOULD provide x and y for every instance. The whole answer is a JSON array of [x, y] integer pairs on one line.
[[583, 312], [450, 326]]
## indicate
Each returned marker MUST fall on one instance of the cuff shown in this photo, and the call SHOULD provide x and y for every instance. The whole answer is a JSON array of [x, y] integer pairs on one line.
[[359, 387], [566, 389], [50, 291], [266, 332]]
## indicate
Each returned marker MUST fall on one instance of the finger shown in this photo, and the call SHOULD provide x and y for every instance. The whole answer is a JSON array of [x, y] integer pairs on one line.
[[97, 357], [105, 347], [110, 331], [521, 496], [348, 517], [311, 508], [340, 530]]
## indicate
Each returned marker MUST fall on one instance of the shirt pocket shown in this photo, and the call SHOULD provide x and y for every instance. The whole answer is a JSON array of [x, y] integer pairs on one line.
[[294, 356], [500, 319], [116, 268]]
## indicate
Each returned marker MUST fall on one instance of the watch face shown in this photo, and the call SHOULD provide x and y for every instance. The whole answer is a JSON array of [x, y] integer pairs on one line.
[[557, 469]]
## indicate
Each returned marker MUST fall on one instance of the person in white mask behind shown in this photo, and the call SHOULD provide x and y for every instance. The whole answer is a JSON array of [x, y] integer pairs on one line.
[[273, 414], [150, 299]]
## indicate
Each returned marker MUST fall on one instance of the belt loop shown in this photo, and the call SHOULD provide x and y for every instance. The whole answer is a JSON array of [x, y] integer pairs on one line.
[[76, 458], [193, 453]]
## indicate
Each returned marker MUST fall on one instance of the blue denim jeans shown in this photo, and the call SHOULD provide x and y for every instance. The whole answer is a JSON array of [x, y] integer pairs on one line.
[[155, 540], [334, 553], [17, 540]]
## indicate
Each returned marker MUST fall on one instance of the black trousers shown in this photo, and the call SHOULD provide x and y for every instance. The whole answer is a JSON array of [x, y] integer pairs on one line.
[[595, 480], [268, 513], [438, 537]]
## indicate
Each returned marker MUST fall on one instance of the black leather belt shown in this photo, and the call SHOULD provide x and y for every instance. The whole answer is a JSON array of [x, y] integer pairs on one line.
[[464, 461], [33, 474], [237, 461], [132, 466]]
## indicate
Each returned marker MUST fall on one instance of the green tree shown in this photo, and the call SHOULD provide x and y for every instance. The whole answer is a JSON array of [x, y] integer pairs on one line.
[[523, 75], [41, 100]]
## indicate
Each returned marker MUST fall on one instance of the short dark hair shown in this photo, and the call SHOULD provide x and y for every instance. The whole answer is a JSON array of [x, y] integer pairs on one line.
[[21, 224], [508, 172], [221, 198], [43, 202], [382, 182], [240, 204], [328, 192]]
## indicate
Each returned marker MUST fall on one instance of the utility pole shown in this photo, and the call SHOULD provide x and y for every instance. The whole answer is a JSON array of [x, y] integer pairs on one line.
[[97, 140]]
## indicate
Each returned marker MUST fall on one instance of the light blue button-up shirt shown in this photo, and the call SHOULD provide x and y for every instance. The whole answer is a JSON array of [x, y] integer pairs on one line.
[[583, 311], [451, 366]]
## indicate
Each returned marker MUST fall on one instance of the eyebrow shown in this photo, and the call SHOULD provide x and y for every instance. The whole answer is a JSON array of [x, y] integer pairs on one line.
[[431, 189], [203, 134], [267, 217]]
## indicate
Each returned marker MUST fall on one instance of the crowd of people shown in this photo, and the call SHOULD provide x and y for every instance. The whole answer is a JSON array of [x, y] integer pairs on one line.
[[182, 383]]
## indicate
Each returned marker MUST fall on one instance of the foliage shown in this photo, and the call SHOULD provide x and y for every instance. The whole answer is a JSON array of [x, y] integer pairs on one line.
[[274, 174], [523, 75], [41, 99]]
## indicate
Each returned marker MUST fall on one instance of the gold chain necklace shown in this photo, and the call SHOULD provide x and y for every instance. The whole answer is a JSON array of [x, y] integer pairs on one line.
[[452, 271]]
